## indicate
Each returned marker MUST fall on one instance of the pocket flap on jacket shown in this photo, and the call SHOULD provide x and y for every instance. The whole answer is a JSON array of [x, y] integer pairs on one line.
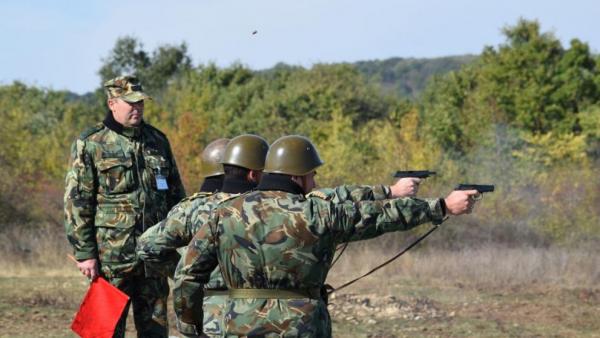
[[114, 217], [107, 163]]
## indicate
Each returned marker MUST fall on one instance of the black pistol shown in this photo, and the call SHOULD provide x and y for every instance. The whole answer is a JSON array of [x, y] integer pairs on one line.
[[481, 188], [413, 173]]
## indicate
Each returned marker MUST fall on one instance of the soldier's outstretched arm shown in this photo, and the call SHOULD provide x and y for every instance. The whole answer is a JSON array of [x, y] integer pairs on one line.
[[80, 202], [404, 187], [157, 247], [368, 219], [355, 193], [198, 263]]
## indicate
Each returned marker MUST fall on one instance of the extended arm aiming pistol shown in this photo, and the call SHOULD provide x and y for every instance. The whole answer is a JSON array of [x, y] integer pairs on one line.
[[413, 173]]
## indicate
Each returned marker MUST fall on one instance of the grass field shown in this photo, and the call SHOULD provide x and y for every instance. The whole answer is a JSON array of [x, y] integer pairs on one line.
[[485, 293]]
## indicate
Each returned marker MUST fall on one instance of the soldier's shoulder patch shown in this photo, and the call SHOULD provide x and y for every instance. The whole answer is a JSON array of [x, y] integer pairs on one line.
[[226, 197], [322, 194], [199, 194], [90, 131]]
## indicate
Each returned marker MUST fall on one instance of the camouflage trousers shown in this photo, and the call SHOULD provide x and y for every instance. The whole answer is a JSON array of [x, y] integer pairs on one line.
[[149, 301], [277, 318]]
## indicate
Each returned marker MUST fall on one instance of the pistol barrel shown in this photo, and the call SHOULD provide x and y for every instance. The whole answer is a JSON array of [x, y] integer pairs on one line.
[[481, 188], [414, 173]]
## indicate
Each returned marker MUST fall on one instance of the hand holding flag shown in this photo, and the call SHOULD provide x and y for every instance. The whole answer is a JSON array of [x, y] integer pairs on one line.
[[100, 310]]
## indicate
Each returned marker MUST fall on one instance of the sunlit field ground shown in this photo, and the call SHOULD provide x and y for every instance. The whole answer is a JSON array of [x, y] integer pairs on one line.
[[488, 292]]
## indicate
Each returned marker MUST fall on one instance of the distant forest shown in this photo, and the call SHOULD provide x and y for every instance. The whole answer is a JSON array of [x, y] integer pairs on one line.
[[405, 77], [408, 76]]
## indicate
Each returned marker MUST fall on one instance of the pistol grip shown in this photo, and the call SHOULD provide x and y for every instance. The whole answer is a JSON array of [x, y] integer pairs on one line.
[[476, 197]]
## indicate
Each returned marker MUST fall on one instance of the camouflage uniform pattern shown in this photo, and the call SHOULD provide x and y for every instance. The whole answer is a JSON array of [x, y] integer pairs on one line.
[[167, 236], [112, 195], [158, 248], [127, 88], [282, 240], [355, 193]]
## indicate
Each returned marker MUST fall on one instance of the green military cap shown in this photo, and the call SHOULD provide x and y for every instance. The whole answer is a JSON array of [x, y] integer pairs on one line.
[[246, 151], [211, 158], [128, 88], [292, 155]]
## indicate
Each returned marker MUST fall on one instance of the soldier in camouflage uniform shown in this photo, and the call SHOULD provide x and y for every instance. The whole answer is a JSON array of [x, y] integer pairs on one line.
[[242, 162], [186, 293], [275, 245], [159, 245], [122, 179]]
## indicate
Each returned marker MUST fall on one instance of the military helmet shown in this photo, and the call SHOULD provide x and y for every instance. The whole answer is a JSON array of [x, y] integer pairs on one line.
[[292, 155], [246, 151], [211, 158]]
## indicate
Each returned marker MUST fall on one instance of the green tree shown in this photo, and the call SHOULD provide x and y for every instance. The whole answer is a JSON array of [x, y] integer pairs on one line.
[[155, 70], [530, 82]]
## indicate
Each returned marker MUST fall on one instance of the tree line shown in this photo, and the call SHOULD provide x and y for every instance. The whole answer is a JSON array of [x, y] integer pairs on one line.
[[523, 115]]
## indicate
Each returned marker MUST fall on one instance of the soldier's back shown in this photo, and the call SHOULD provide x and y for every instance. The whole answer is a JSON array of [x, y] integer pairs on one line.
[[280, 241]]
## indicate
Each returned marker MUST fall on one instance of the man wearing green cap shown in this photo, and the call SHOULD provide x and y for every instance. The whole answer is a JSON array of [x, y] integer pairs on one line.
[[122, 179]]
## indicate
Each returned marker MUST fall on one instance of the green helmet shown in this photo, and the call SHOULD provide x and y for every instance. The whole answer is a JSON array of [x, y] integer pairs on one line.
[[211, 158], [246, 151], [292, 155]]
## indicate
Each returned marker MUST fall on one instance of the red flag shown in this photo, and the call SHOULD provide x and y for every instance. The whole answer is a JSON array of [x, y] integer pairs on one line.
[[100, 310]]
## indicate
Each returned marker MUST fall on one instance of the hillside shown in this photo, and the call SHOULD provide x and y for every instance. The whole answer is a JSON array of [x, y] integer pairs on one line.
[[409, 76], [404, 77]]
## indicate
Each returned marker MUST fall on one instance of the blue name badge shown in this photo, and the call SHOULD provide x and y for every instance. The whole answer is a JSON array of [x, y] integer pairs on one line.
[[161, 182]]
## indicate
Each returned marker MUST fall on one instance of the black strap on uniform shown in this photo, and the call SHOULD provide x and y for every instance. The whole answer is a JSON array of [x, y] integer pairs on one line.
[[339, 255], [332, 290]]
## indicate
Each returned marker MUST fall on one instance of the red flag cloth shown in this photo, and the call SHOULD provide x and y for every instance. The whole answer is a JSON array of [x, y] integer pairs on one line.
[[100, 310]]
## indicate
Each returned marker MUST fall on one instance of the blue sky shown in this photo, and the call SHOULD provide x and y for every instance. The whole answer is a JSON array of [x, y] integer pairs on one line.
[[60, 44]]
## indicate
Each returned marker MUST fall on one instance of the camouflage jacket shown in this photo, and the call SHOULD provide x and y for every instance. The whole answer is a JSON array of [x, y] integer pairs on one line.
[[158, 246], [120, 181], [285, 240]]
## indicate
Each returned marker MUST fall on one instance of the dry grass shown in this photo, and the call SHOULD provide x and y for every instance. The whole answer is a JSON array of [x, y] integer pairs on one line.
[[489, 266], [486, 292], [44, 253], [41, 252], [490, 291]]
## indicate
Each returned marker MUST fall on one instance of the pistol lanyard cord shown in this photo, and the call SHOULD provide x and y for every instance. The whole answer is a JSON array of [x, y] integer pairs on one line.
[[388, 261], [339, 255]]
